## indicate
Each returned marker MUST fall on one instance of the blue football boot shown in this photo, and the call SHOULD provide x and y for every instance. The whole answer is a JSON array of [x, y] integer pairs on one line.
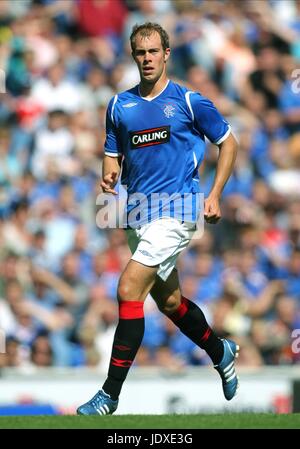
[[100, 404], [226, 369]]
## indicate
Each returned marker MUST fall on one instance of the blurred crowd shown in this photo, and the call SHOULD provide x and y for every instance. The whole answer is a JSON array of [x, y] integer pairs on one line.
[[61, 61]]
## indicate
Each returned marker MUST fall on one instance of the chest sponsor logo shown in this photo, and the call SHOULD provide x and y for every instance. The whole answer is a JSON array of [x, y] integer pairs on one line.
[[151, 136]]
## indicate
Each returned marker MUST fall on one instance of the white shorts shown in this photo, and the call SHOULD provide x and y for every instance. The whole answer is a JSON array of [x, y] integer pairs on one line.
[[160, 243]]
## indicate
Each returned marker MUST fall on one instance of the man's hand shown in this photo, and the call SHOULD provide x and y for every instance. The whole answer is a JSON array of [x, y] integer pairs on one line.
[[212, 211], [108, 182], [227, 154]]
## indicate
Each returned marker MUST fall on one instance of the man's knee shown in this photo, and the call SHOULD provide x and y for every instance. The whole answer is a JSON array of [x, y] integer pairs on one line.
[[125, 289], [169, 305], [136, 281], [132, 289]]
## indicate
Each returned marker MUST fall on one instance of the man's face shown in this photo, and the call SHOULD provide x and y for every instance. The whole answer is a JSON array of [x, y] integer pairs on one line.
[[150, 57]]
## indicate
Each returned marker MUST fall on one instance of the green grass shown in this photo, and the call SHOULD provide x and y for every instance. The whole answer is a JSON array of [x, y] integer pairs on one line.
[[225, 421]]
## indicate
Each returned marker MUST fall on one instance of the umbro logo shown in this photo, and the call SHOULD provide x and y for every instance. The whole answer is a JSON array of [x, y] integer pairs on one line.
[[129, 105], [144, 252]]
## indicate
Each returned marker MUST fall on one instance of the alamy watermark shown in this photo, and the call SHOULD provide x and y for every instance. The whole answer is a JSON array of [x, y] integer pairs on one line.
[[296, 83], [2, 342], [2, 82], [296, 341], [137, 209]]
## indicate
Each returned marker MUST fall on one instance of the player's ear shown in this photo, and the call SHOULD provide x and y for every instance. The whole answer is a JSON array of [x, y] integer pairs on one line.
[[167, 54], [133, 55]]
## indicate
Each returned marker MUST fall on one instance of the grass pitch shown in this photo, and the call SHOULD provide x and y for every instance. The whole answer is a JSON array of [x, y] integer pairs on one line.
[[224, 421]]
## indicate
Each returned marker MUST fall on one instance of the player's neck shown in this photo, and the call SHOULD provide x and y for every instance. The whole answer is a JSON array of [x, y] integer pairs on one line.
[[153, 90]]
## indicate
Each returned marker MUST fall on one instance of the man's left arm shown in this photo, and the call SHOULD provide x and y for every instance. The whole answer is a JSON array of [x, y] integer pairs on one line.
[[227, 155]]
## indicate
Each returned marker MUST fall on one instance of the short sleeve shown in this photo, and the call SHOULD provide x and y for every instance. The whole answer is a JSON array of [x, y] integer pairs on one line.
[[112, 146], [208, 120]]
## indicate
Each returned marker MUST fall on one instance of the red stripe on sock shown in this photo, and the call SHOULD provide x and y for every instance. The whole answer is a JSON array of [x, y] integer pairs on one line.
[[206, 335], [121, 363], [122, 348], [181, 311], [131, 310]]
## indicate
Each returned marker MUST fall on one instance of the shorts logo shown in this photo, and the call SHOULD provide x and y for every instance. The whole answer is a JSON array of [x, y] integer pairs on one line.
[[144, 252], [151, 136]]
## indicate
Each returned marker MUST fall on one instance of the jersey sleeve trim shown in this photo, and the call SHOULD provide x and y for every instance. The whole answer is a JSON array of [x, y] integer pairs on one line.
[[195, 160], [219, 141], [113, 108], [109, 153], [188, 101]]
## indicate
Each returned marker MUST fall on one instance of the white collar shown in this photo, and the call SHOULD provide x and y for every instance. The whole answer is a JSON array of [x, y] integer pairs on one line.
[[152, 98]]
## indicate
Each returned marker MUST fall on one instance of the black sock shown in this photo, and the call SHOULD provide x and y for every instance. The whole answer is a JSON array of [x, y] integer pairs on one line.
[[128, 338], [191, 321]]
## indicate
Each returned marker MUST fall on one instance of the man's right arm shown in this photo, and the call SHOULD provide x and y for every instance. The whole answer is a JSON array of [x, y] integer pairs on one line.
[[113, 155], [110, 173]]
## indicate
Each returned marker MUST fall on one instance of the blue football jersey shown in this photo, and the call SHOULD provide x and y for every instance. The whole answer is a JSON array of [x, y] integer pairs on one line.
[[162, 143]]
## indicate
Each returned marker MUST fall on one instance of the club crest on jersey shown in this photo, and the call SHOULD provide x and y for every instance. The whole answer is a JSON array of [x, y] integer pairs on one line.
[[149, 137], [169, 110]]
